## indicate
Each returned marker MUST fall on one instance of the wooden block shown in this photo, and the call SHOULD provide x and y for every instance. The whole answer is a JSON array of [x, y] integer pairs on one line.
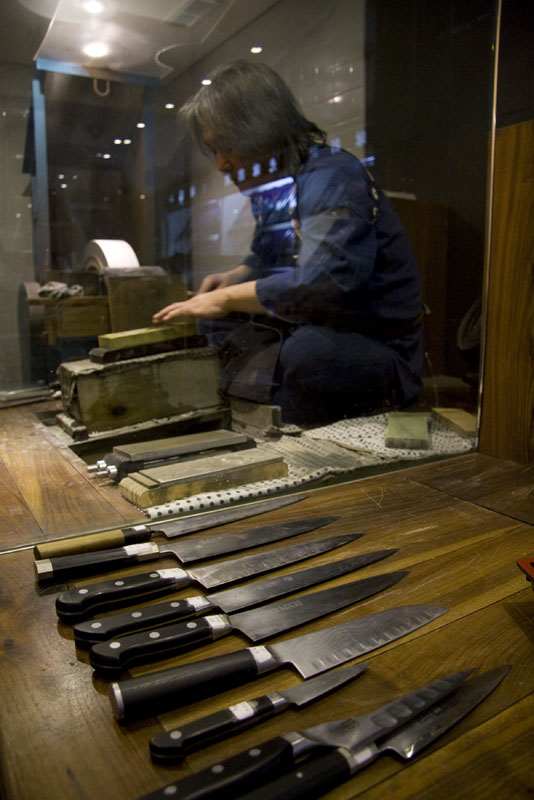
[[460, 421], [135, 295], [74, 317], [108, 396], [151, 335], [176, 481], [407, 430], [246, 414], [182, 445]]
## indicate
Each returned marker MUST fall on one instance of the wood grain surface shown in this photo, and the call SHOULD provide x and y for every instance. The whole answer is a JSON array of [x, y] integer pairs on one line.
[[59, 740]]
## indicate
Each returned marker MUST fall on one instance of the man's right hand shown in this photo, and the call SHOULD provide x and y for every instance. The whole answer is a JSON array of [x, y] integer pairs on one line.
[[218, 280]]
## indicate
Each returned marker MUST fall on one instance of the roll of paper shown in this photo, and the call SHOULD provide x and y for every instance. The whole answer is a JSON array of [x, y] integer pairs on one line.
[[102, 253]]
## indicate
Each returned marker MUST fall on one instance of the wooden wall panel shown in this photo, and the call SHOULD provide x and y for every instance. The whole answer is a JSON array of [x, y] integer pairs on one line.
[[507, 418]]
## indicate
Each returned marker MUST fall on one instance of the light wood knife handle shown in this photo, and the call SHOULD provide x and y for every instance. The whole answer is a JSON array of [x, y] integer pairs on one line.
[[92, 541]]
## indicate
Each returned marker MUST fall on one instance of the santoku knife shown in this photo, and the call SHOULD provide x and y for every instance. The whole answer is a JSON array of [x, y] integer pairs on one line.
[[75, 604], [250, 594], [167, 527], [171, 746], [310, 654], [110, 658], [183, 551], [250, 768], [318, 776]]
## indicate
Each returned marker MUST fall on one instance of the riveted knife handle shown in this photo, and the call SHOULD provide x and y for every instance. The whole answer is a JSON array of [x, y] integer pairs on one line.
[[92, 631], [81, 564], [74, 605], [234, 775], [93, 541], [113, 657], [147, 695], [171, 746], [311, 780]]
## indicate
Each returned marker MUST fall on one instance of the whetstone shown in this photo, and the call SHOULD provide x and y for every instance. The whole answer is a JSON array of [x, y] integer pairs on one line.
[[460, 421], [175, 481], [143, 336], [186, 444], [407, 430]]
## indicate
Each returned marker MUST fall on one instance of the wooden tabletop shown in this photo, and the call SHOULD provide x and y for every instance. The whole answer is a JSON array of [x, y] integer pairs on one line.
[[459, 525]]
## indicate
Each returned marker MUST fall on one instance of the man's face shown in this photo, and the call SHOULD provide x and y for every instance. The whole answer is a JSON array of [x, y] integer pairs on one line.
[[227, 163]]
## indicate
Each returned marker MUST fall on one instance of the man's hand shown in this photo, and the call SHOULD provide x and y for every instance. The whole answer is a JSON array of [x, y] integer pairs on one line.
[[215, 304], [218, 280]]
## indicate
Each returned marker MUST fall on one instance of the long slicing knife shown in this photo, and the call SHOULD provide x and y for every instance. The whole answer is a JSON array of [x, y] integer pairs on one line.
[[310, 654], [166, 527], [110, 658], [183, 551], [314, 778], [73, 605], [248, 769], [93, 631], [169, 747]]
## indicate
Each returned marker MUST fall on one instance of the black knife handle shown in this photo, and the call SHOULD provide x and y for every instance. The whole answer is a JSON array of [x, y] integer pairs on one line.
[[81, 564], [148, 695], [113, 657], [311, 780], [74, 605], [234, 775], [92, 631], [171, 746]]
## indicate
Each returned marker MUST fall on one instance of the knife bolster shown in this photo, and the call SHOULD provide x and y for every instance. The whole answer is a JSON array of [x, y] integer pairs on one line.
[[264, 660]]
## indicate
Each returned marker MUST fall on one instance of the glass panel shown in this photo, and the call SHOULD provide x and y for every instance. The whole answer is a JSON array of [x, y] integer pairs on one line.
[[405, 89]]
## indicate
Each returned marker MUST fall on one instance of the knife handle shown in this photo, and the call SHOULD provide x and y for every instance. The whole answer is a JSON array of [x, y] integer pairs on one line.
[[93, 541], [171, 746], [75, 604], [148, 695], [311, 780], [113, 657], [234, 775], [92, 631], [81, 564]]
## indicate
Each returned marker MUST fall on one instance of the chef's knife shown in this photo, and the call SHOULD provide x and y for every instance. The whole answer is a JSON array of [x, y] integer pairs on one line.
[[315, 778], [183, 551], [74, 604], [310, 654], [171, 746], [100, 630], [110, 658], [250, 768], [167, 527]]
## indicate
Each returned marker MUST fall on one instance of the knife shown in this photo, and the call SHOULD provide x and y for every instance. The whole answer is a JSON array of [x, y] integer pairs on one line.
[[74, 604], [110, 658], [310, 654], [251, 594], [171, 746], [317, 777], [184, 551], [169, 528], [250, 768]]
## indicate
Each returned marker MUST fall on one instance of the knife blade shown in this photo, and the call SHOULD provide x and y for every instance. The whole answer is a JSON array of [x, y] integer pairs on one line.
[[171, 746], [310, 654], [170, 528], [110, 658], [254, 766], [74, 604], [183, 551], [314, 779], [91, 632]]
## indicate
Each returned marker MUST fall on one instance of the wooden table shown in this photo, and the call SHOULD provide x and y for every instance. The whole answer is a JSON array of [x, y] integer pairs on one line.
[[459, 526]]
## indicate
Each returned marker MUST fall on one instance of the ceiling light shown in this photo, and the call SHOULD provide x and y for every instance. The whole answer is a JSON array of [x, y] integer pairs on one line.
[[96, 50], [93, 6], [117, 141], [170, 106], [140, 124], [206, 82], [126, 141], [106, 155], [256, 49]]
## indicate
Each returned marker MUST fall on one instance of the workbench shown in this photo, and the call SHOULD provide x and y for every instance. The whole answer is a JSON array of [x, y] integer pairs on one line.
[[459, 525]]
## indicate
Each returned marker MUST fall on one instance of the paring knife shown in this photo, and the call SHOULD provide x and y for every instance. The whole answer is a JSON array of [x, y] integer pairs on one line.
[[248, 769], [166, 527], [169, 747], [318, 776], [251, 594], [110, 658], [184, 551], [74, 604], [310, 654]]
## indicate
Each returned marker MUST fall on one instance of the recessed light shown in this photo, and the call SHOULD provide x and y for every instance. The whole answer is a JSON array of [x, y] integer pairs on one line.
[[256, 49], [126, 141], [93, 6], [206, 82], [170, 106], [140, 124], [96, 50], [106, 155], [117, 141]]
